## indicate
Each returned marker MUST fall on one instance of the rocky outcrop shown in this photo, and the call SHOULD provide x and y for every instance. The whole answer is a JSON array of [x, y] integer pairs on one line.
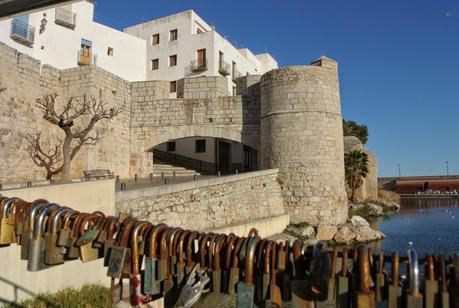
[[326, 233]]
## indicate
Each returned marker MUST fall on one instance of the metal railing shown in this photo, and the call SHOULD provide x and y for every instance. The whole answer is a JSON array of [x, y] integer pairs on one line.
[[86, 59], [65, 17], [198, 66], [22, 32], [224, 68]]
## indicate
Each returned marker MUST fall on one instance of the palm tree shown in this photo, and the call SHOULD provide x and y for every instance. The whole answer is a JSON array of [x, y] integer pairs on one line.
[[356, 169]]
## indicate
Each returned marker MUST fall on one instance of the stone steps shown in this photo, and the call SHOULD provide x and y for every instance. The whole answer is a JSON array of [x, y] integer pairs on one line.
[[168, 170]]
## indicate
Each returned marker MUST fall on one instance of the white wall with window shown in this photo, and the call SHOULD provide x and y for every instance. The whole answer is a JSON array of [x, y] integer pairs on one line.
[[192, 37], [57, 41]]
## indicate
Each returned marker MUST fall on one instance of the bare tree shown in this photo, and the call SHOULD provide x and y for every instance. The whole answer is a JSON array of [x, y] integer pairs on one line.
[[46, 155], [88, 110]]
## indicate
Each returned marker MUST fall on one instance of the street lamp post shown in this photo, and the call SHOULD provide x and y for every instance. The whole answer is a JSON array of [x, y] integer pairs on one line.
[[399, 172], [447, 169]]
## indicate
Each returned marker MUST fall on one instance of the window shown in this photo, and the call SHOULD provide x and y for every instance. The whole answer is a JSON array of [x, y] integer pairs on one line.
[[110, 51], [171, 146], [221, 60], [173, 35], [201, 55], [154, 64], [200, 146], [155, 39], [173, 86], [173, 60], [234, 70]]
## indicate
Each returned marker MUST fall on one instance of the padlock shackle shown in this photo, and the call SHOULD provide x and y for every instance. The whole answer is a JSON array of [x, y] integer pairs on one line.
[[364, 269], [252, 232], [430, 268], [334, 260], [189, 247], [237, 247], [154, 239], [250, 259], [163, 243], [202, 249], [381, 263], [6, 204], [76, 224], [268, 246], [413, 272], [344, 262], [443, 285], [135, 246], [273, 259], [170, 240], [174, 245], [128, 224], [229, 249], [88, 219], [52, 228], [38, 227], [32, 212], [260, 254], [181, 244], [219, 242], [210, 250]]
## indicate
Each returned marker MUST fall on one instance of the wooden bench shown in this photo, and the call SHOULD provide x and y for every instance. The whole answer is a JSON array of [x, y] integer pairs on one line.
[[98, 174]]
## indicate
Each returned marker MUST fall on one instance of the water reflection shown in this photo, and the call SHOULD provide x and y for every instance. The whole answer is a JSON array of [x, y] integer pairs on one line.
[[432, 225]]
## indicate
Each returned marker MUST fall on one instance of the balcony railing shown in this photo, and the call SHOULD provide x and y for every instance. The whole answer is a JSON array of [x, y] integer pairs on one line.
[[198, 66], [65, 17], [224, 68], [85, 58], [236, 75], [22, 32]]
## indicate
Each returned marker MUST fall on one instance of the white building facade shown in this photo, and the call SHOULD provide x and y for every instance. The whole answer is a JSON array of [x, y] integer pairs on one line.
[[184, 45], [67, 36]]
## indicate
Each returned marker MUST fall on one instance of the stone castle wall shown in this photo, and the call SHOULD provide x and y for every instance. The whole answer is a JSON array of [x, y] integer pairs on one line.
[[209, 203], [302, 135]]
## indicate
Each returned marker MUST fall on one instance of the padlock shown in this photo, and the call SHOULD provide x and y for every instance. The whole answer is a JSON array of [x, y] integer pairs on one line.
[[65, 233], [216, 260], [365, 297], [246, 289], [151, 282], [258, 270], [74, 250], [227, 263], [430, 284], [286, 275], [27, 233], [53, 254], [163, 254], [135, 280], [37, 245], [274, 289], [342, 287], [444, 294], [414, 298], [191, 254], [120, 253], [6, 228], [299, 283], [380, 279], [234, 270], [331, 295], [266, 274], [180, 266], [319, 272], [209, 262], [169, 282], [87, 252], [394, 291]]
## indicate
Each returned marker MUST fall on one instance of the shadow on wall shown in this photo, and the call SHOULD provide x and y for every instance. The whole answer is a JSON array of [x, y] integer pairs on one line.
[[18, 289]]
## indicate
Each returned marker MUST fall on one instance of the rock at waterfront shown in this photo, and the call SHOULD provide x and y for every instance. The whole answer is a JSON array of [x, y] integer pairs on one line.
[[326, 233], [344, 235], [375, 210], [356, 206], [358, 221], [367, 234]]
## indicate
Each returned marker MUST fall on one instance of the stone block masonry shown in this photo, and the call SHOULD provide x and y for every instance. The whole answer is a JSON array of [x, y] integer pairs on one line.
[[209, 203]]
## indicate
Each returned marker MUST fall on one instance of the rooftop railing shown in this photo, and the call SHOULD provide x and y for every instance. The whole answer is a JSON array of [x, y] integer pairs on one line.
[[65, 17], [22, 32]]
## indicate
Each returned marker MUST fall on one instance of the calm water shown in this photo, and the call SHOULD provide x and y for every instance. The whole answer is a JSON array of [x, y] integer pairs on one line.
[[432, 225]]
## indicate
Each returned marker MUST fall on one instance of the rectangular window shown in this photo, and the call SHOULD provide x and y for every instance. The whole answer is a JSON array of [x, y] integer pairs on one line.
[[173, 86], [234, 70], [173, 60], [173, 35], [200, 146], [110, 51], [171, 146], [154, 64], [201, 57], [155, 39], [221, 61]]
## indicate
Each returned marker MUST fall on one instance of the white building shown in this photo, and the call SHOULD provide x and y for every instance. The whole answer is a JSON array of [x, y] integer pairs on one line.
[[67, 36], [184, 45]]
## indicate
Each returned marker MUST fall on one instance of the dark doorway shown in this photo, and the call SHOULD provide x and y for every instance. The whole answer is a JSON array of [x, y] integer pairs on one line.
[[250, 159], [224, 156], [426, 186]]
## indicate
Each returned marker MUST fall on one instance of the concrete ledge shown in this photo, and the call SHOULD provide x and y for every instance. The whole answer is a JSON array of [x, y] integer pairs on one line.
[[167, 189], [265, 226]]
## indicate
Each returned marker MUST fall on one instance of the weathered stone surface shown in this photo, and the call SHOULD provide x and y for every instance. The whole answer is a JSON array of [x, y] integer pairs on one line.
[[375, 210], [326, 233], [358, 221], [308, 231], [367, 234], [344, 235]]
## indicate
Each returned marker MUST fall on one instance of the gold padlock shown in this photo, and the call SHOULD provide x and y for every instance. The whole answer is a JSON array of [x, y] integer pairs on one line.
[[6, 229]]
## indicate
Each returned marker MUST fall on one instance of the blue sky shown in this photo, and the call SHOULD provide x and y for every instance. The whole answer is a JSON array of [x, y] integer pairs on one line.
[[399, 62]]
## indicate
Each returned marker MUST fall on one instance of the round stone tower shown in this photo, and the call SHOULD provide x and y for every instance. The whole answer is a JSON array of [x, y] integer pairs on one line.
[[302, 135]]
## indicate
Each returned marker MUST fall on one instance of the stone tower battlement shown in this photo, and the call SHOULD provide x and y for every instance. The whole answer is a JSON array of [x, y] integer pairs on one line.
[[302, 135]]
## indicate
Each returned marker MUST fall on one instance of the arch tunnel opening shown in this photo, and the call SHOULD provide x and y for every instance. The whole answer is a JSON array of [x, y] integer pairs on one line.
[[203, 155]]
